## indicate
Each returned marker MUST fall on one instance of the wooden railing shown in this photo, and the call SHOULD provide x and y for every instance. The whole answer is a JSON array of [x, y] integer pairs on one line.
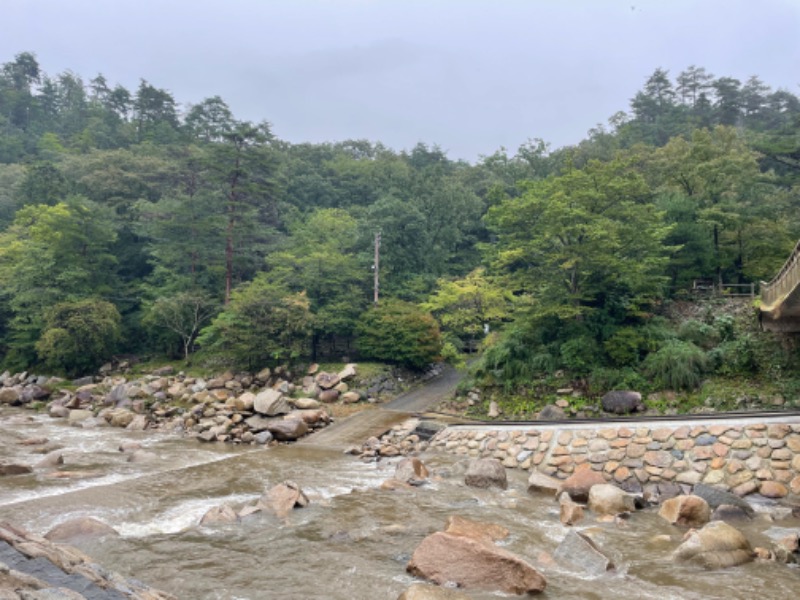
[[784, 282], [731, 290]]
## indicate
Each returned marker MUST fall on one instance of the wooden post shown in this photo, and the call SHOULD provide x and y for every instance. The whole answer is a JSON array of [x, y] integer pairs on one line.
[[377, 264]]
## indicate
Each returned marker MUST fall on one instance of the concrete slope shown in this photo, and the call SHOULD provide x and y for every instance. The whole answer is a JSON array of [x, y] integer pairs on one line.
[[355, 429]]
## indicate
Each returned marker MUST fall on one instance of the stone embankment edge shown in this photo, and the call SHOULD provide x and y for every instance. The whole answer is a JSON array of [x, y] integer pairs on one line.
[[742, 455]]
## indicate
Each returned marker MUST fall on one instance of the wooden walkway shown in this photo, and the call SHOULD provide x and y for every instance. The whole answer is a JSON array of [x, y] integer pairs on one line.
[[780, 297]]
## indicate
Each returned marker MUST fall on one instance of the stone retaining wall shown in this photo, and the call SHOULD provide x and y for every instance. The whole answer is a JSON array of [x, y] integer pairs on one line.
[[744, 458]]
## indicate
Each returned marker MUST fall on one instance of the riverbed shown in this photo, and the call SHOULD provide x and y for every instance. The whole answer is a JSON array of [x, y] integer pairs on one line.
[[352, 542]]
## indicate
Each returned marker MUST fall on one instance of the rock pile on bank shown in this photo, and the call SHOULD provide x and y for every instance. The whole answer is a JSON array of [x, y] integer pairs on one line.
[[239, 408]]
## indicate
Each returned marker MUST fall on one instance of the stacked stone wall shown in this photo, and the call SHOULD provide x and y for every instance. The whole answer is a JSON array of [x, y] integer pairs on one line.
[[745, 459]]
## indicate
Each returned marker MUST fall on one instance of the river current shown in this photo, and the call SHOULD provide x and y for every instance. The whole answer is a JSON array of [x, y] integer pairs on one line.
[[352, 542]]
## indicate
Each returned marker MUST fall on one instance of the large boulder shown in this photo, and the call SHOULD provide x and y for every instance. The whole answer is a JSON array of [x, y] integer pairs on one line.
[[219, 515], [328, 396], [51, 460], [287, 430], [9, 396], [411, 470], [423, 591], [304, 403], [118, 396], [622, 402], [715, 546], [544, 484], [551, 412], [257, 423], [485, 473], [76, 415], [315, 416], [13, 469], [687, 510], [34, 392], [471, 563], [579, 551], [607, 499], [570, 512], [282, 498], [580, 482], [487, 532], [348, 372], [271, 403], [717, 497], [120, 417], [79, 528], [327, 381]]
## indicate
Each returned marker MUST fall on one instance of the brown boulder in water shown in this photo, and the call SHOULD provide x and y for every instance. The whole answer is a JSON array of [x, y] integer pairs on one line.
[[218, 515], [82, 527], [287, 430], [14, 469], [541, 483], [487, 532], [282, 498], [580, 482], [715, 546], [411, 470], [690, 511], [485, 473], [570, 511], [607, 499], [472, 563]]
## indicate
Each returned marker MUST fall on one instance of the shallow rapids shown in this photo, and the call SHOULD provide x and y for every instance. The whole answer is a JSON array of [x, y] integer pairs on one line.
[[352, 542]]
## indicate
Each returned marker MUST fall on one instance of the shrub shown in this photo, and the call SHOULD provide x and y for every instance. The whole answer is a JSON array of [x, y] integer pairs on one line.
[[513, 359], [400, 333], [79, 336], [262, 325], [603, 380], [676, 365], [698, 333], [628, 345], [580, 354]]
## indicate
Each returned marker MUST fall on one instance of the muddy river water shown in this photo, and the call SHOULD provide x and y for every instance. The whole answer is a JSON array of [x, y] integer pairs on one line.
[[352, 542]]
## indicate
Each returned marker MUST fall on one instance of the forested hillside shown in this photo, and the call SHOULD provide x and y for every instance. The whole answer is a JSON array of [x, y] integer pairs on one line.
[[134, 224]]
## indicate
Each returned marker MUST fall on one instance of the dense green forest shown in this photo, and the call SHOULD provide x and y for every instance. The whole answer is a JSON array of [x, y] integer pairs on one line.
[[132, 224]]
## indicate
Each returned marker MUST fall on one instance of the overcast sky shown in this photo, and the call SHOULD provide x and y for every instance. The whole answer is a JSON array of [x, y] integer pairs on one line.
[[469, 75]]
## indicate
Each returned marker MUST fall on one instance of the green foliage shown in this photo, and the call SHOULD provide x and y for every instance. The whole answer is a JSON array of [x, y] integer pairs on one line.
[[112, 193], [628, 345], [700, 334], [176, 320], [512, 360], [400, 333], [465, 307], [570, 241], [79, 336], [604, 379], [580, 354], [677, 365], [49, 255], [264, 324]]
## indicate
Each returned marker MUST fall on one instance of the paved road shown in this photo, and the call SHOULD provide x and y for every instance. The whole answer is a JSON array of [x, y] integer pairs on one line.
[[355, 429], [428, 395]]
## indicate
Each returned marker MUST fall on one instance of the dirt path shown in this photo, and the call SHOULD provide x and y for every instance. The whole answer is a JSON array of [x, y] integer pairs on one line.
[[355, 429]]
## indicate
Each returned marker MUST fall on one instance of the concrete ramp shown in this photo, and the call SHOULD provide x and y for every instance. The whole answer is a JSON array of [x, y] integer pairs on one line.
[[356, 429]]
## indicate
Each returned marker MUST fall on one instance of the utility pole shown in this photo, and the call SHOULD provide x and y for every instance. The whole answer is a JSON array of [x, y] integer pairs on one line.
[[376, 265]]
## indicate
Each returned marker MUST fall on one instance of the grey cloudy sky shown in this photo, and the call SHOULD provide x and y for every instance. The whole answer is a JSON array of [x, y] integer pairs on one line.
[[469, 75]]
